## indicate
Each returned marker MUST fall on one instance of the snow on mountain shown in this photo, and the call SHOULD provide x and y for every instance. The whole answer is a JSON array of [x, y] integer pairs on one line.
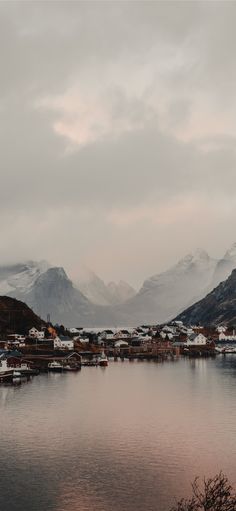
[[19, 278], [224, 266], [53, 293], [48, 290]]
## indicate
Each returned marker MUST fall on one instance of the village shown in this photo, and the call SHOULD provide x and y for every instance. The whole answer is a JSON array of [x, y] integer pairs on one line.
[[56, 349]]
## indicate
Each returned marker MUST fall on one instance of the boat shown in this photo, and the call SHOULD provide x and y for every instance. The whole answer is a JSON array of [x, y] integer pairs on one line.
[[7, 373], [55, 367], [226, 350], [103, 360]]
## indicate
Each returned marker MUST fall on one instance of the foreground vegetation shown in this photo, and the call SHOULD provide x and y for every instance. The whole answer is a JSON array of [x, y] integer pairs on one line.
[[213, 494]]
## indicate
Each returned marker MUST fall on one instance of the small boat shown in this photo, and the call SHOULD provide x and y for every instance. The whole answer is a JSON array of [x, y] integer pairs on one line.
[[55, 367], [103, 360], [7, 373]]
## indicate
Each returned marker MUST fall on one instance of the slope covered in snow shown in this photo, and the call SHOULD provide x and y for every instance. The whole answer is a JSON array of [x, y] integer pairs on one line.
[[19, 278]]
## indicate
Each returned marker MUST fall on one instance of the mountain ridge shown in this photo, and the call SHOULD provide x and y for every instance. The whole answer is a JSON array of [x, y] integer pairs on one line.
[[216, 308], [48, 290]]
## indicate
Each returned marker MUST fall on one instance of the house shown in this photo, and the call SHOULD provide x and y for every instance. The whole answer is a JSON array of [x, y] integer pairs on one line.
[[63, 342], [122, 334], [196, 340], [36, 334], [107, 335], [166, 334]]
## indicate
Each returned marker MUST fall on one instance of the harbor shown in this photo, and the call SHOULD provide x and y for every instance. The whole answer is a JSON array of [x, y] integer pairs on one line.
[[49, 350]]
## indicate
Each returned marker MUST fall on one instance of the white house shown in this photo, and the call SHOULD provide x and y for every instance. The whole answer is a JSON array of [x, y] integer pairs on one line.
[[223, 337], [122, 334], [63, 342], [196, 340], [166, 335], [107, 335], [221, 329], [36, 334]]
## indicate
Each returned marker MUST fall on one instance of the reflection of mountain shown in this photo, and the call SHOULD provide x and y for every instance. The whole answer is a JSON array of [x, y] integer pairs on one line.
[[218, 307]]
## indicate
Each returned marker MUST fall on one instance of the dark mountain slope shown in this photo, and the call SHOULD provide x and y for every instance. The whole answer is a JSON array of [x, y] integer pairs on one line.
[[17, 317], [218, 307]]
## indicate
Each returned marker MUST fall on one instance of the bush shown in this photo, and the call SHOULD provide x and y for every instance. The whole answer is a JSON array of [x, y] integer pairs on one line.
[[214, 494]]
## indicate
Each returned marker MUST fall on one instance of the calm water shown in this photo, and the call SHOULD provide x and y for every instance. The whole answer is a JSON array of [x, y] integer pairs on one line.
[[129, 437]]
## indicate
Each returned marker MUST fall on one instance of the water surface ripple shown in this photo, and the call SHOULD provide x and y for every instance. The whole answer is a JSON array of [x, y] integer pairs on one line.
[[129, 437]]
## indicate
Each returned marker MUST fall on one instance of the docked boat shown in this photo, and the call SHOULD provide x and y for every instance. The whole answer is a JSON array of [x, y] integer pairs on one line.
[[7, 373], [103, 360], [55, 367]]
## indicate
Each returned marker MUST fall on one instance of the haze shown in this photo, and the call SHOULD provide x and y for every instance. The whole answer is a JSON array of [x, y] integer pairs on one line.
[[117, 133]]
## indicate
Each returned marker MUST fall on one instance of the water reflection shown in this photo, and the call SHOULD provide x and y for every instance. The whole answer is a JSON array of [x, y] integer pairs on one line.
[[131, 436]]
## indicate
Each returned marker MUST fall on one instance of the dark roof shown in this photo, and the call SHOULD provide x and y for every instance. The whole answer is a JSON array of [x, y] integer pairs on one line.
[[65, 338]]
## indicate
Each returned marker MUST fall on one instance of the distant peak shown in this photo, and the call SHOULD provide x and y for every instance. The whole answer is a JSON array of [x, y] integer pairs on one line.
[[57, 270], [231, 252]]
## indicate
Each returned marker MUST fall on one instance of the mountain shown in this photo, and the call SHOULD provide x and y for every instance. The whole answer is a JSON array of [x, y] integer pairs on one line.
[[218, 307], [99, 293], [120, 292], [17, 317], [93, 288], [224, 267], [20, 278], [48, 290], [53, 293], [164, 295]]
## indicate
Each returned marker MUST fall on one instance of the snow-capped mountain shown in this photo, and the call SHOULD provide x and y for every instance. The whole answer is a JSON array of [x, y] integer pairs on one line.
[[164, 295], [48, 290], [20, 278], [99, 293], [53, 293]]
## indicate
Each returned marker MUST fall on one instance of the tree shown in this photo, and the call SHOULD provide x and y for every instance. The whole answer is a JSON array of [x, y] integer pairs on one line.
[[214, 494]]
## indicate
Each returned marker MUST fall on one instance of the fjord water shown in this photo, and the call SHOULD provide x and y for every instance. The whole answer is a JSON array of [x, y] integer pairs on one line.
[[129, 437]]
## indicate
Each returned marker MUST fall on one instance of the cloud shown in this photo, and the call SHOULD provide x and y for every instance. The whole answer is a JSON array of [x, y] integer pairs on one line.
[[117, 126]]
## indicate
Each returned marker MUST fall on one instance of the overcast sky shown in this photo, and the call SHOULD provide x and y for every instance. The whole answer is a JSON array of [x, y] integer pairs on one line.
[[117, 133]]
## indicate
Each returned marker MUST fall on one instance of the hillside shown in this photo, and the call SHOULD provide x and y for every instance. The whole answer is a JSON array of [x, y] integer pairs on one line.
[[17, 317], [218, 307]]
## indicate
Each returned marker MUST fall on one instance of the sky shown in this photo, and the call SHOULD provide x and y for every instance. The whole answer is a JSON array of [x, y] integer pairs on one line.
[[117, 133]]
